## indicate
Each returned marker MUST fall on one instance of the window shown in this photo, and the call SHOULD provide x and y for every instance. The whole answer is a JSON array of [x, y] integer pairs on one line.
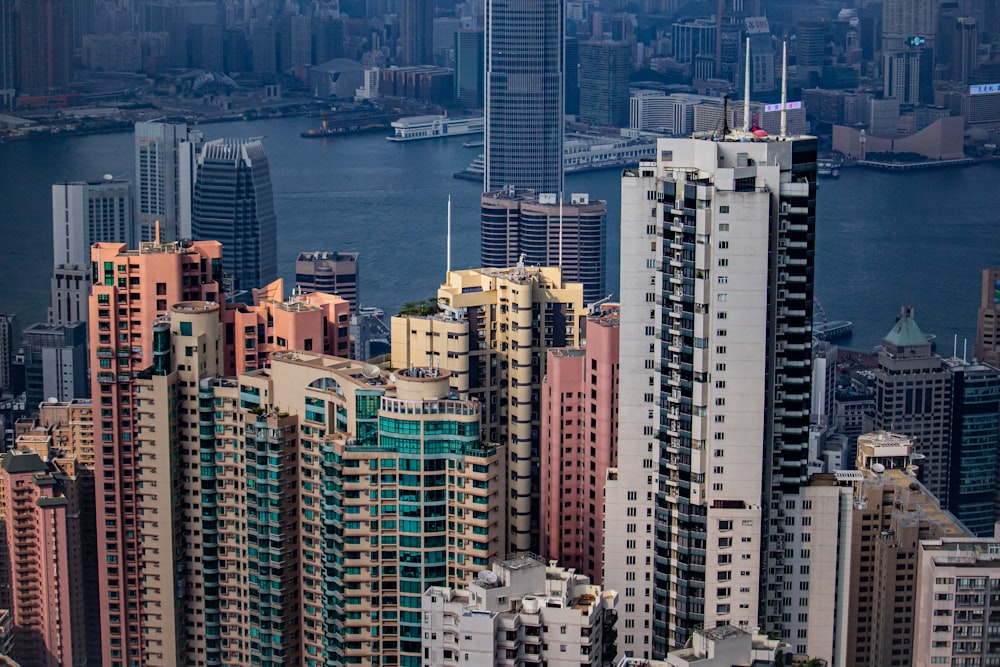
[[723, 280], [723, 245], [723, 209], [720, 315], [722, 297]]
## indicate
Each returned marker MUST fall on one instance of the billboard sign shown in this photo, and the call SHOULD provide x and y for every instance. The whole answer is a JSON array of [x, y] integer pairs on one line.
[[984, 89], [777, 107]]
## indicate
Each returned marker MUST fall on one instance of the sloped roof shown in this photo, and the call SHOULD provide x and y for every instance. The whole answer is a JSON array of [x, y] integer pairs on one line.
[[906, 333]]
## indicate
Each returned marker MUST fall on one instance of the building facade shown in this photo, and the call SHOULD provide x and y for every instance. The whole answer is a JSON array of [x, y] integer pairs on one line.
[[520, 612], [234, 205], [604, 85], [331, 272], [987, 348], [165, 156], [470, 63], [70, 289], [579, 445], [55, 362], [715, 332], [542, 231], [493, 335], [87, 212], [525, 70], [417, 33]]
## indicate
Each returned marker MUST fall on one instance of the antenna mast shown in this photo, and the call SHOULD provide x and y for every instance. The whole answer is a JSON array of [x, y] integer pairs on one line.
[[448, 267], [784, 87], [746, 91]]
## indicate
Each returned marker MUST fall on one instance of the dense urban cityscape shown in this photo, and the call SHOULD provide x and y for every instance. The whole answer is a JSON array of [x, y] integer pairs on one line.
[[627, 434]]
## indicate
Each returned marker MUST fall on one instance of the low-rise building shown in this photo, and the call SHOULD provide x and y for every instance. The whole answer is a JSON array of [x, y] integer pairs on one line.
[[520, 612]]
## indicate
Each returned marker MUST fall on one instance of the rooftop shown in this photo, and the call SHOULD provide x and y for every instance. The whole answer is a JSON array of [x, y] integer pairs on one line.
[[906, 333]]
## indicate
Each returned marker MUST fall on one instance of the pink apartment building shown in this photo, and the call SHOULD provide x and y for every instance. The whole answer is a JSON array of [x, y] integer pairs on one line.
[[47, 585], [579, 442]]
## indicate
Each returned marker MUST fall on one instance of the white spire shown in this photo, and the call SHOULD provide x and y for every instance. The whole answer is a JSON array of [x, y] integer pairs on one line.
[[448, 267], [746, 92]]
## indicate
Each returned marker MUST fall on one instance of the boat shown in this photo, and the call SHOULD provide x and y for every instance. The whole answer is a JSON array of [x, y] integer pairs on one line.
[[414, 128], [832, 330], [828, 168], [474, 144]]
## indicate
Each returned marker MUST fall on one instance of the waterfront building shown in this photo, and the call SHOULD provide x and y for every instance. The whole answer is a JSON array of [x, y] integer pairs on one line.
[[525, 71], [604, 82], [44, 46], [234, 205], [331, 272], [42, 529], [692, 38], [417, 44], [578, 445], [523, 607], [542, 231], [165, 156], [469, 66], [70, 290], [987, 348], [132, 289], [88, 212], [55, 362], [492, 332], [715, 332]]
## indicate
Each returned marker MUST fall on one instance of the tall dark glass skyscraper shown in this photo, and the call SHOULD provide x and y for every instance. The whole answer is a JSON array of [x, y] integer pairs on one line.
[[525, 67], [233, 204]]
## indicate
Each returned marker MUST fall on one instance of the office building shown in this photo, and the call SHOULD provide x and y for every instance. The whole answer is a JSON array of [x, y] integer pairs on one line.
[[692, 38], [296, 42], [973, 444], [542, 231], [233, 204], [132, 289], [70, 289], [715, 332], [164, 179], [55, 362], [417, 33], [470, 59], [44, 46], [958, 601], [965, 49], [264, 47], [524, 95], [987, 348], [902, 20], [604, 75], [42, 529], [571, 89], [331, 272], [763, 83], [907, 76], [8, 330], [8, 54], [88, 212], [521, 611], [579, 444], [912, 396], [492, 333]]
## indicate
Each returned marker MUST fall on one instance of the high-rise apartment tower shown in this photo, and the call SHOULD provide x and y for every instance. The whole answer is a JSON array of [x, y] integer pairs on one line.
[[164, 179]]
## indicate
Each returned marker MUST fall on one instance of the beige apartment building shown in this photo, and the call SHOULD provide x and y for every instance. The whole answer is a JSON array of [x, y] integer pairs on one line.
[[493, 334], [295, 514]]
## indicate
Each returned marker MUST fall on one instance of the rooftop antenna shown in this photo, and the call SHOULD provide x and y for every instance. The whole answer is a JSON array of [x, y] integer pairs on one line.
[[954, 349], [746, 92], [784, 87], [725, 116], [448, 268]]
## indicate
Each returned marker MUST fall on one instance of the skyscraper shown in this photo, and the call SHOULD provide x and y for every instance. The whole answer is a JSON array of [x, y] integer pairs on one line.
[[88, 212], [233, 204], [544, 232], [8, 54], [604, 93], [45, 53], [965, 49], [987, 348], [716, 304], [418, 32], [469, 64], [164, 178], [524, 95], [493, 337], [131, 290]]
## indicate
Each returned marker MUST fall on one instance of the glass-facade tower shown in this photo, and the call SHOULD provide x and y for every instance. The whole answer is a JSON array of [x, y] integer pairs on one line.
[[525, 64]]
